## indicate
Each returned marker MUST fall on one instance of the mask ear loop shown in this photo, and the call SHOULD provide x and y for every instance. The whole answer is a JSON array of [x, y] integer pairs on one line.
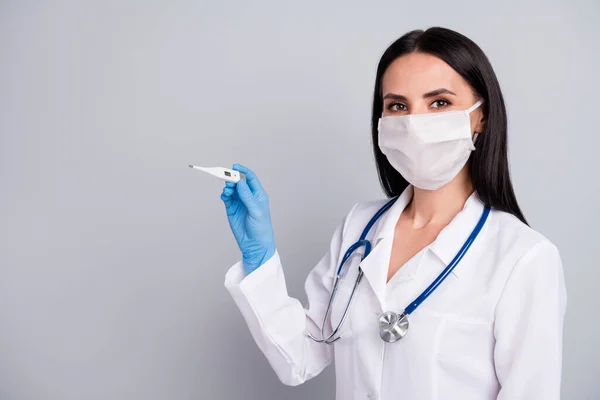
[[474, 106], [469, 110]]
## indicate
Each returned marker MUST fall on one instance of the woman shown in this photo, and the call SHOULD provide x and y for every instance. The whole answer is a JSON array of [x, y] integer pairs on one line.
[[492, 329]]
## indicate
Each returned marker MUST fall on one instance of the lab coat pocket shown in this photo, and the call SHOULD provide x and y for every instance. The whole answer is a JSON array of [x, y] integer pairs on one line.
[[465, 352], [463, 341]]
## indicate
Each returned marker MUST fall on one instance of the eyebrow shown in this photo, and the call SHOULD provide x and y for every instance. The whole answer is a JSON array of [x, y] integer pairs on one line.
[[433, 93]]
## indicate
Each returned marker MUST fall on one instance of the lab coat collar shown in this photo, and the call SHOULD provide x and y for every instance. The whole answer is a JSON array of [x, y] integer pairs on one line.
[[445, 246], [453, 236], [387, 225]]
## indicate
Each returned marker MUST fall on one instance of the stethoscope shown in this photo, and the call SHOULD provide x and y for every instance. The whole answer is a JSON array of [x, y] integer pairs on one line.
[[392, 326]]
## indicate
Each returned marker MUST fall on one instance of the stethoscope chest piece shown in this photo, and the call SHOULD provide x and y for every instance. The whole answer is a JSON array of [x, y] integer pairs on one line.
[[392, 327]]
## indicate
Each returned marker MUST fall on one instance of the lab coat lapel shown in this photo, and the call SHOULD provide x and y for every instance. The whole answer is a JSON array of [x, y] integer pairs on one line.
[[375, 265]]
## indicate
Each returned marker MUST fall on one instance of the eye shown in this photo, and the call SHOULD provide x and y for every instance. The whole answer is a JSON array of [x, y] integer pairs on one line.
[[396, 107], [440, 103]]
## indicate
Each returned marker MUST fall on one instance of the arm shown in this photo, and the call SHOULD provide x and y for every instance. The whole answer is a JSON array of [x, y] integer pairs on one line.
[[529, 327], [278, 323]]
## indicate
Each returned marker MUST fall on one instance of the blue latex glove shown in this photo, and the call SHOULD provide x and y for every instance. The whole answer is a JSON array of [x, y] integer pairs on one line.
[[247, 206]]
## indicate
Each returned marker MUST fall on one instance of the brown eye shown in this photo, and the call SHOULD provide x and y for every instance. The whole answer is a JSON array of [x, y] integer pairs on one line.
[[396, 107], [440, 103]]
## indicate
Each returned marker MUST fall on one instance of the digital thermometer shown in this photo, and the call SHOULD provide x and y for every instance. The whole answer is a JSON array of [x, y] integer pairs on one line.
[[226, 174]]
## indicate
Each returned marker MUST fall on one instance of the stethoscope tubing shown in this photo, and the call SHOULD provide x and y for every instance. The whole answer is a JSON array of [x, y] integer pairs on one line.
[[463, 250], [332, 338]]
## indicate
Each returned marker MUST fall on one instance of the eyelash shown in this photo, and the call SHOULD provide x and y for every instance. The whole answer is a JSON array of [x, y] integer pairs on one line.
[[446, 104]]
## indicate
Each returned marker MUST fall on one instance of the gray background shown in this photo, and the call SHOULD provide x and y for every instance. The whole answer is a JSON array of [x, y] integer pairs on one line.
[[113, 253]]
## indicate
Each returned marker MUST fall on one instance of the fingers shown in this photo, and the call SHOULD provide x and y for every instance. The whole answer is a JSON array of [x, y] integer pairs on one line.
[[245, 193], [228, 194], [228, 191], [251, 178], [226, 200], [244, 189]]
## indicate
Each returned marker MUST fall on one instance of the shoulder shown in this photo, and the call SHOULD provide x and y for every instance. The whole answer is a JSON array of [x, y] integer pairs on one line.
[[366, 209], [358, 218], [531, 268], [526, 248], [511, 231], [362, 212]]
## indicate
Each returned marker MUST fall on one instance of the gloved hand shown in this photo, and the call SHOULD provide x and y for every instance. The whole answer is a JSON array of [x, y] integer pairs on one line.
[[247, 206]]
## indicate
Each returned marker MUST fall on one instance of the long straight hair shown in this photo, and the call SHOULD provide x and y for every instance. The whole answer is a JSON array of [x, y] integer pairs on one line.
[[489, 162]]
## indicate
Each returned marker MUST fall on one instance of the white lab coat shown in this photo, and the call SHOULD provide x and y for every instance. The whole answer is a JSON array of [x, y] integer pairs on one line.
[[492, 329]]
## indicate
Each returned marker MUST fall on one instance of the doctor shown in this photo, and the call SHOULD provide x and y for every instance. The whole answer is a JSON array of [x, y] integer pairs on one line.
[[491, 328]]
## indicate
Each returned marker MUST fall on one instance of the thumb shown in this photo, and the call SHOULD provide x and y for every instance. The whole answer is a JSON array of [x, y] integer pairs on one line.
[[245, 194]]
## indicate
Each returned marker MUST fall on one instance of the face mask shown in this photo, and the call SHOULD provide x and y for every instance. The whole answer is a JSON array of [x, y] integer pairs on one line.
[[428, 150]]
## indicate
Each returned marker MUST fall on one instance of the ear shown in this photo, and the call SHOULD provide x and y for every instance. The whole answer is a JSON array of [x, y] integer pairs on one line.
[[480, 124]]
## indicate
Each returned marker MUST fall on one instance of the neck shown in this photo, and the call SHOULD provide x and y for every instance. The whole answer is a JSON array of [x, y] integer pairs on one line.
[[440, 206]]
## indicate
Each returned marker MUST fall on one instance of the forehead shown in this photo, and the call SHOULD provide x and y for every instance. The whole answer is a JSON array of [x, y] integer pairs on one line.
[[417, 73]]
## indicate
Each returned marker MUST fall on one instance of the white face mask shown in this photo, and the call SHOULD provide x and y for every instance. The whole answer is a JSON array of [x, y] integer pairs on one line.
[[428, 150]]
